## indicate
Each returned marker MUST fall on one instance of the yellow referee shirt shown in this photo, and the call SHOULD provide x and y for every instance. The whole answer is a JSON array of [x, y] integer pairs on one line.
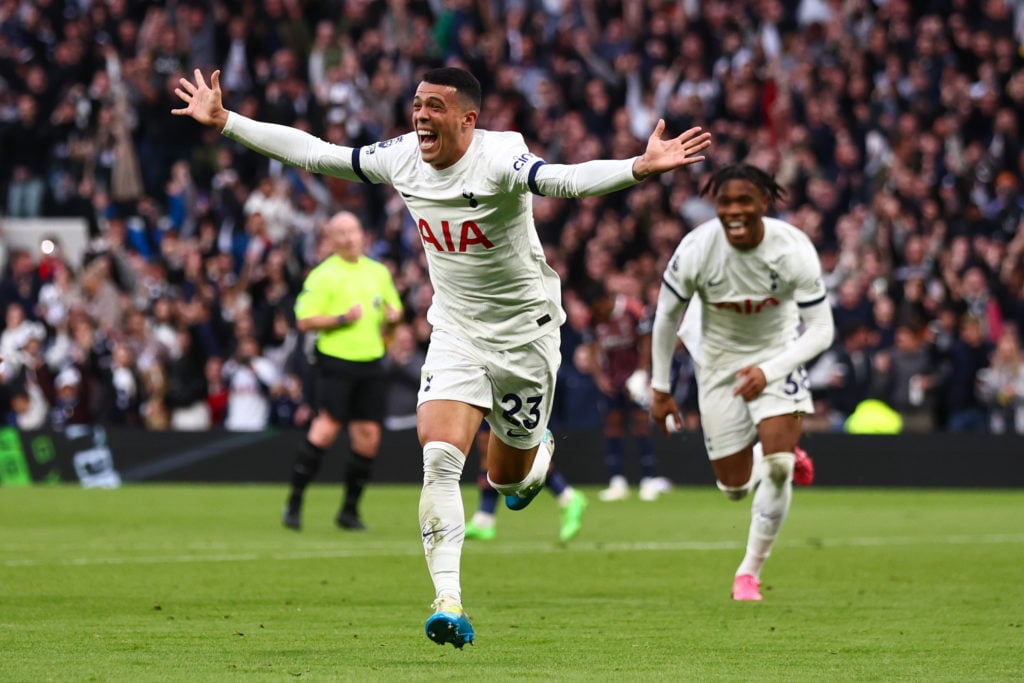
[[335, 286]]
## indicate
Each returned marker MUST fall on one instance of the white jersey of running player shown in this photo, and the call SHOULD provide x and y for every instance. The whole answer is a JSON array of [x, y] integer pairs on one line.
[[765, 287]]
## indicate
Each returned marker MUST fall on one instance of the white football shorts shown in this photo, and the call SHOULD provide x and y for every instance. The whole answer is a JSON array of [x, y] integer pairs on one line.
[[729, 422], [516, 385]]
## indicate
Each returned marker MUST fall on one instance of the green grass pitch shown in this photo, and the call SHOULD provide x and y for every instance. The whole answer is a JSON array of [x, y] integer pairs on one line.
[[201, 583]]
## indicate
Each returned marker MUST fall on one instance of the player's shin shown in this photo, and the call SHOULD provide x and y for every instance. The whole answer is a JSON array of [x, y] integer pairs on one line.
[[442, 517], [768, 510]]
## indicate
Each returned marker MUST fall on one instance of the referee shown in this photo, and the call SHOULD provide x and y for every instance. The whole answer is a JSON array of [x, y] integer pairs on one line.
[[350, 302]]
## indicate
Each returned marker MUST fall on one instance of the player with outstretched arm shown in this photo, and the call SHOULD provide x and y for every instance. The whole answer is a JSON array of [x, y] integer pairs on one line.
[[496, 312], [755, 278]]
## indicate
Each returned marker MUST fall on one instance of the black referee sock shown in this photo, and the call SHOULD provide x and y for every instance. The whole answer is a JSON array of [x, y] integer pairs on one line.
[[357, 475], [308, 459]]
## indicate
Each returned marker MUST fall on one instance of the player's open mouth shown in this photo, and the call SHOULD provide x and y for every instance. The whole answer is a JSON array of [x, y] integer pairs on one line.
[[736, 229], [427, 140]]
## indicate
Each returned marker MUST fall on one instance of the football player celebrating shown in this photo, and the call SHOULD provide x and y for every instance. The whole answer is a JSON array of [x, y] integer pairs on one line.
[[496, 312], [755, 279]]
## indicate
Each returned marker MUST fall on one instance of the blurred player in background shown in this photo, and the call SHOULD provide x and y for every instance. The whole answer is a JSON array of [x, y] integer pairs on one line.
[[619, 336], [496, 312], [483, 525], [350, 302], [756, 279]]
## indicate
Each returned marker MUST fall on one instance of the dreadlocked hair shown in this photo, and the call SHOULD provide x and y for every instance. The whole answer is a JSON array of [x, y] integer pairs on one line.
[[753, 174]]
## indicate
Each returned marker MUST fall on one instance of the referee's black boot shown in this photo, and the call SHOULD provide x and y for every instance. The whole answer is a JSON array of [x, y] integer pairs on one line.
[[350, 521], [291, 519]]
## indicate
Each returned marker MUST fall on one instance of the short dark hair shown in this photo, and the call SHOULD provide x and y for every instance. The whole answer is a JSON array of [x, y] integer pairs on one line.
[[765, 181], [465, 83]]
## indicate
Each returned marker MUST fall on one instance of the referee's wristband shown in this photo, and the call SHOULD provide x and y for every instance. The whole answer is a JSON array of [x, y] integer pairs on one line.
[[341, 320]]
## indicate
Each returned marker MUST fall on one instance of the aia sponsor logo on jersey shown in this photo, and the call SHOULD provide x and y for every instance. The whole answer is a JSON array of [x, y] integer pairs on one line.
[[747, 306], [459, 238]]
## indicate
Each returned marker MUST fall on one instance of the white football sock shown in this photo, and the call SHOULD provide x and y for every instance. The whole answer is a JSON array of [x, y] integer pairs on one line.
[[442, 516], [538, 473], [768, 510]]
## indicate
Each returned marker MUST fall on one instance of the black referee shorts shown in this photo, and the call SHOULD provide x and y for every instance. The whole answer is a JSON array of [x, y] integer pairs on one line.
[[350, 390]]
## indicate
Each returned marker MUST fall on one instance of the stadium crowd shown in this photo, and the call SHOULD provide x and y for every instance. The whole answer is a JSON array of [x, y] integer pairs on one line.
[[895, 126]]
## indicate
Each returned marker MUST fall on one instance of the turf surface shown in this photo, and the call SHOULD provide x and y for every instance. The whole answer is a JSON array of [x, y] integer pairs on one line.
[[201, 583]]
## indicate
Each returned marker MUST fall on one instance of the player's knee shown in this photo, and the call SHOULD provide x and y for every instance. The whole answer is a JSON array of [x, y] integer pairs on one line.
[[778, 467], [441, 460], [735, 492]]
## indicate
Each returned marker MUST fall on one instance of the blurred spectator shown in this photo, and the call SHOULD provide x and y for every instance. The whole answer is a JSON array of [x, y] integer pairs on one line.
[[969, 354], [60, 295], [186, 395], [69, 400], [852, 374], [28, 395], [976, 298], [18, 329], [20, 283], [102, 299], [216, 391], [1001, 385], [271, 201], [909, 375], [27, 144], [123, 389], [288, 407], [852, 306], [249, 377]]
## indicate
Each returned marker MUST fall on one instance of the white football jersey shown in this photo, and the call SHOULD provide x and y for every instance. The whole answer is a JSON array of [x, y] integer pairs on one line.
[[746, 302], [475, 218]]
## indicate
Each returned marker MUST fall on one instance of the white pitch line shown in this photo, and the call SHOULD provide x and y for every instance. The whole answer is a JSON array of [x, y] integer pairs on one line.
[[411, 549]]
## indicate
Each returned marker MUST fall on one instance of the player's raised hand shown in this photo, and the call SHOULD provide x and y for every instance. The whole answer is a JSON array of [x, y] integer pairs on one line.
[[664, 155], [203, 102]]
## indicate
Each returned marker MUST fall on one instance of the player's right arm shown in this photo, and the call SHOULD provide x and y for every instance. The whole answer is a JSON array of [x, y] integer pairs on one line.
[[671, 308], [673, 298], [291, 146]]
